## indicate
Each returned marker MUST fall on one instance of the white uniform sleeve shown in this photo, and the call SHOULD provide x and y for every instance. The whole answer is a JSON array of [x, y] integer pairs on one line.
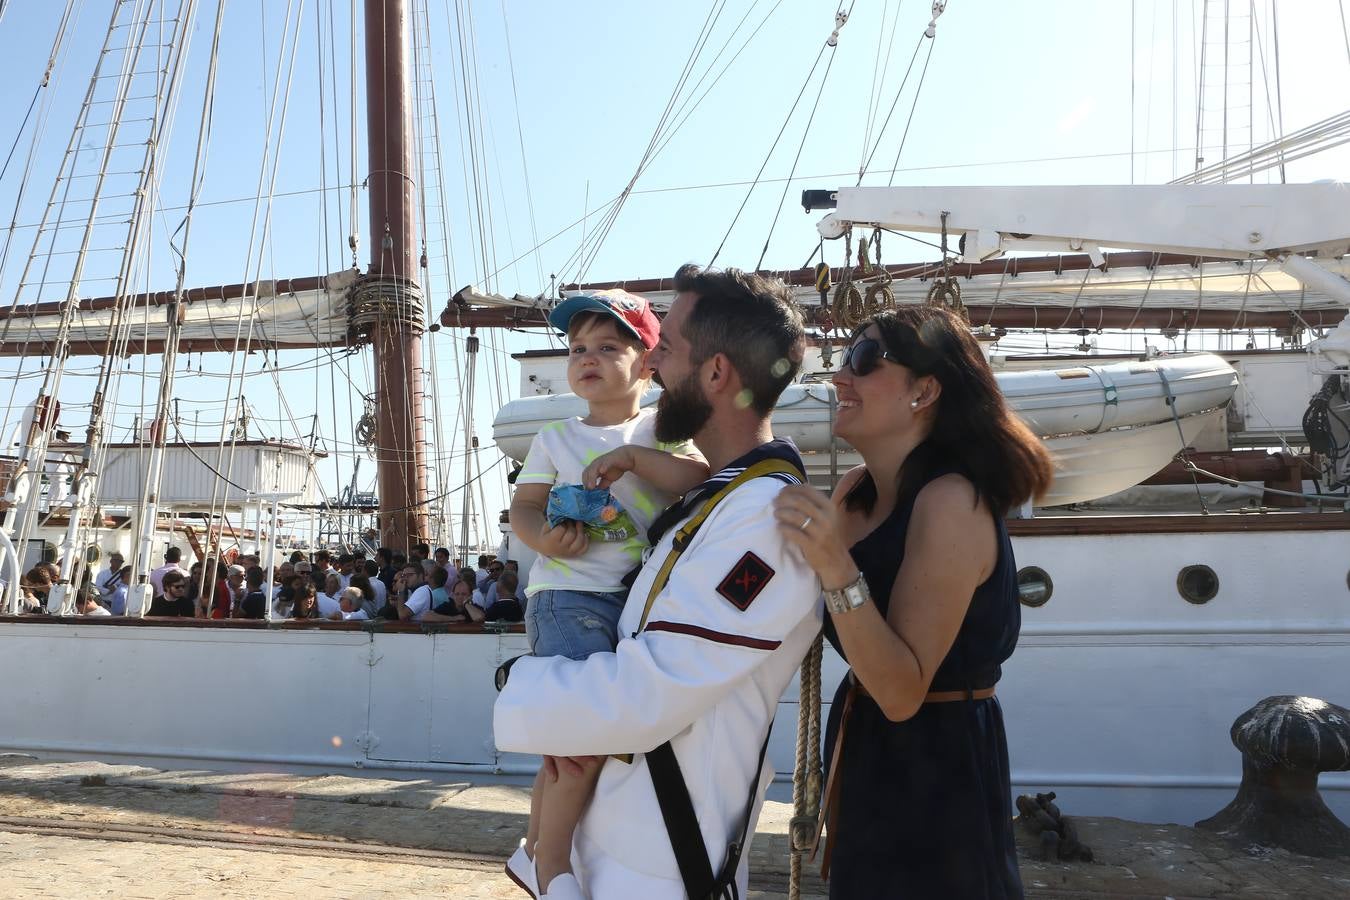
[[697, 646]]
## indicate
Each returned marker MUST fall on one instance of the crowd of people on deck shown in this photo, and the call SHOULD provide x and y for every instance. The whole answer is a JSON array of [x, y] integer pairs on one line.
[[422, 586]]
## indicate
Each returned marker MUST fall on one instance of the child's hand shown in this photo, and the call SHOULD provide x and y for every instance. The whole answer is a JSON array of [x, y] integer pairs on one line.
[[567, 540], [608, 468], [573, 766]]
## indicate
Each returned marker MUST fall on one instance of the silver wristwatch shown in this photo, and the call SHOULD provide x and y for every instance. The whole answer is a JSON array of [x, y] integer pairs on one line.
[[849, 597]]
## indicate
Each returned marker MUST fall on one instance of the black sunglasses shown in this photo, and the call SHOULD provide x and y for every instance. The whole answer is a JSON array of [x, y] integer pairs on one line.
[[864, 356]]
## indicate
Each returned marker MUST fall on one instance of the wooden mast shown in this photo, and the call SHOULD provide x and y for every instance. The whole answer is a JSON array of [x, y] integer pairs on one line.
[[389, 301]]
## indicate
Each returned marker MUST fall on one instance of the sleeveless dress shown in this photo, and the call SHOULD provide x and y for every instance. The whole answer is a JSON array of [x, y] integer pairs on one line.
[[924, 805]]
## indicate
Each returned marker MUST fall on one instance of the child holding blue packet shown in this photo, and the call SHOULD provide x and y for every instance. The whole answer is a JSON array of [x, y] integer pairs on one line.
[[588, 537]]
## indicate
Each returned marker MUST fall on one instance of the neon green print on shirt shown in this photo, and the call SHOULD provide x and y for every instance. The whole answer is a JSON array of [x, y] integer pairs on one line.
[[643, 504], [557, 565]]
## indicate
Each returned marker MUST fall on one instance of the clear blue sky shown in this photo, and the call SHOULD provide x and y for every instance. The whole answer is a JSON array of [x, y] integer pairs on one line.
[[587, 82]]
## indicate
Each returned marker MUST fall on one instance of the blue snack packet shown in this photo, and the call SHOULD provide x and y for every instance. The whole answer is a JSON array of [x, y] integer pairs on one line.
[[604, 517]]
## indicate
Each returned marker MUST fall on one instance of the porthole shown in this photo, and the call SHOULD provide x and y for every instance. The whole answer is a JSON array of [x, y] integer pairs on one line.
[[1197, 584], [1034, 586]]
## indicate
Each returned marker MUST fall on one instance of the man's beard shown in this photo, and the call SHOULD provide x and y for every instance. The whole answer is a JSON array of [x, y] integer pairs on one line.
[[681, 411]]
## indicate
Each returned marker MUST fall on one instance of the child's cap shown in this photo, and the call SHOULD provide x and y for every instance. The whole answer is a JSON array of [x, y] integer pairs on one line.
[[633, 313]]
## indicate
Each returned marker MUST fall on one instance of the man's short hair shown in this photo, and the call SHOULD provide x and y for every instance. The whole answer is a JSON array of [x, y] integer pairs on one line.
[[255, 576], [507, 583], [437, 577], [752, 321], [173, 555]]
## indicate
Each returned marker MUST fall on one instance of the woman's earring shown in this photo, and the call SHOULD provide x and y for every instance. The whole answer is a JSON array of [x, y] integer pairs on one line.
[[914, 404]]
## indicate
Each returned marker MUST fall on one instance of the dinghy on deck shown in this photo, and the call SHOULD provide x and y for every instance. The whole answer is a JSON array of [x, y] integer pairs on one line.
[[1108, 426]]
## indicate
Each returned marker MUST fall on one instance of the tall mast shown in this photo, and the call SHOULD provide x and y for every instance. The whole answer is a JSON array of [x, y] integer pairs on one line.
[[388, 300]]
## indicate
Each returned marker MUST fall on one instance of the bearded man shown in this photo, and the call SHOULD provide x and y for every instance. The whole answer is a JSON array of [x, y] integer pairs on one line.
[[716, 624]]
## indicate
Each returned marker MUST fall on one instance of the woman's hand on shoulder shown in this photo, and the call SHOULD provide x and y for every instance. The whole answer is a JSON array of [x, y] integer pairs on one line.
[[809, 521]]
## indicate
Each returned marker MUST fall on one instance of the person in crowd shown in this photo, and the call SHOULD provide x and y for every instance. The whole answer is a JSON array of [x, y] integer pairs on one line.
[[235, 581], [173, 600], [470, 577], [717, 626], [921, 587], [35, 585], [412, 595], [217, 587], [281, 578], [442, 557], [296, 556], [108, 580], [195, 587], [86, 604], [117, 601], [505, 605], [578, 577], [384, 559], [436, 580], [284, 604], [172, 557], [253, 605], [353, 605], [322, 569], [481, 573], [346, 568], [329, 604], [458, 608], [381, 590], [368, 596], [305, 605], [486, 589]]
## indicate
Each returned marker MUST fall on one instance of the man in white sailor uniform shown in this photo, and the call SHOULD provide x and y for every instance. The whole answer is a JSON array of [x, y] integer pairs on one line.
[[702, 661]]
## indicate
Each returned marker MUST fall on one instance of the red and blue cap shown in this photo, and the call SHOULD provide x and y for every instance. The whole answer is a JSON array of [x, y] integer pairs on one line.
[[633, 313]]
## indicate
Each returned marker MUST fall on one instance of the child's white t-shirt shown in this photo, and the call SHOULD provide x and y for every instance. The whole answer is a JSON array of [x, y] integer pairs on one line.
[[558, 454]]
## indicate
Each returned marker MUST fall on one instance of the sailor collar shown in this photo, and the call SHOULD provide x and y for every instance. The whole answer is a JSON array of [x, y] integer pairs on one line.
[[778, 448]]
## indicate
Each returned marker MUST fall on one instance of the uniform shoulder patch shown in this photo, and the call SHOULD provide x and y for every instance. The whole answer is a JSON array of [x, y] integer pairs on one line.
[[745, 581]]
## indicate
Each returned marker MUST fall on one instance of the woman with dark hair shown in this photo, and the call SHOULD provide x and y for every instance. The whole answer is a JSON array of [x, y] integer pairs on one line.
[[921, 588], [305, 605]]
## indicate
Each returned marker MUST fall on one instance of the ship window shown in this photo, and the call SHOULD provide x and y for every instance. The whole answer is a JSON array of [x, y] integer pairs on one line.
[[1197, 584], [1034, 586]]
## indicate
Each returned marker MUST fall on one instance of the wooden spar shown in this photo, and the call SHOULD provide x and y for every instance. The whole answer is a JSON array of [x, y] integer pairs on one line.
[[389, 299], [459, 314], [1003, 316]]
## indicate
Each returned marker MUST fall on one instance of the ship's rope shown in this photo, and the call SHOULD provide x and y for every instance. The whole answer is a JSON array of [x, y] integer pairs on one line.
[[840, 19], [828, 44], [36, 454], [806, 774], [262, 208]]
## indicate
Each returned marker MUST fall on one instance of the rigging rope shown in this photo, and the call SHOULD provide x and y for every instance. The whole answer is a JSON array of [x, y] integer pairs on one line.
[[841, 17]]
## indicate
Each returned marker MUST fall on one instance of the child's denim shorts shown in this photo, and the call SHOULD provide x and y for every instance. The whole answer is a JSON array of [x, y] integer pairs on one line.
[[574, 624]]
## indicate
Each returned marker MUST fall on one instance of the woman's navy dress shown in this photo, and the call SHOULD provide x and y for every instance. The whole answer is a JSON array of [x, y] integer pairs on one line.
[[925, 805]]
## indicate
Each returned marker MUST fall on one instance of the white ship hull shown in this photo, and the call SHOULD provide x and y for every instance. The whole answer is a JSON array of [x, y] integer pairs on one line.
[[1120, 694]]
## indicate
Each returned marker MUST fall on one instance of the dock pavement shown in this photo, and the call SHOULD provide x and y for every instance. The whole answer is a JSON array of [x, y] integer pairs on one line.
[[87, 828]]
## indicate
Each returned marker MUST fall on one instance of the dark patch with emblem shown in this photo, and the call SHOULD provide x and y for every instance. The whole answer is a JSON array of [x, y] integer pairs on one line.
[[745, 580]]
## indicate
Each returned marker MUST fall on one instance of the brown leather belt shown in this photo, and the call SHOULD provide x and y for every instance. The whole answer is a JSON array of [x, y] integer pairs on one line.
[[829, 807]]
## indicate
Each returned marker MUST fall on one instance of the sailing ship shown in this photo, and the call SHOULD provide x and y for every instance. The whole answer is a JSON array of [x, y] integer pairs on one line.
[[1155, 612]]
